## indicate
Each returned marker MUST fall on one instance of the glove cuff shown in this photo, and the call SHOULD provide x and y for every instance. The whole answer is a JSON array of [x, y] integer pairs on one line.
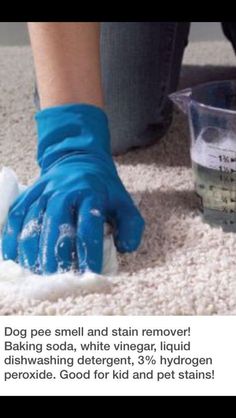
[[71, 129]]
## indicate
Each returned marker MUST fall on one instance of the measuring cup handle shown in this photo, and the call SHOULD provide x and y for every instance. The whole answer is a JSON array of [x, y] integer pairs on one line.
[[182, 99]]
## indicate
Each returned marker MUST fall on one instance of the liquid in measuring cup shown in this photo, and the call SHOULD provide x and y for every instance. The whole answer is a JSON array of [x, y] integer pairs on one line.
[[214, 169]]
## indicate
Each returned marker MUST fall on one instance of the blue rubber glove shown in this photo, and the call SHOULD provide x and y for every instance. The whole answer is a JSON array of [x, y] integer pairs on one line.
[[58, 223]]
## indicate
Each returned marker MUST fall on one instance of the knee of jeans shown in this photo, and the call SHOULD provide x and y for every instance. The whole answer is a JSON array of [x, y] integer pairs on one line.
[[143, 132]]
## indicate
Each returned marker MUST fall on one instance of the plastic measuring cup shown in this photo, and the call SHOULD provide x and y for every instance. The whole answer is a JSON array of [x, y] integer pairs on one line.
[[211, 110]]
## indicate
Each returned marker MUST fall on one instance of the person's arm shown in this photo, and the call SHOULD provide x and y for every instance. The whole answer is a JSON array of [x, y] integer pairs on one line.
[[58, 222], [67, 62]]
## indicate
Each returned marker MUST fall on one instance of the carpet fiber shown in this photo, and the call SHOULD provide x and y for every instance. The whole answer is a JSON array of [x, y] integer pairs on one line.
[[184, 267]]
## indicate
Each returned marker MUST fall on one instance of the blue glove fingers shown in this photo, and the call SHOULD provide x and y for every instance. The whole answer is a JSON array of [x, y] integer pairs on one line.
[[66, 245], [10, 236], [57, 241], [90, 232], [30, 235], [13, 227], [15, 221], [128, 229]]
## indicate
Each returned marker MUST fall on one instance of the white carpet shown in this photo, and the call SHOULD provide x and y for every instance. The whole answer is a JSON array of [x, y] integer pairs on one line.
[[183, 267]]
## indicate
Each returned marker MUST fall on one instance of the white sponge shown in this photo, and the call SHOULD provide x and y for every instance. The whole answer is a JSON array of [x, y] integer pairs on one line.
[[9, 190]]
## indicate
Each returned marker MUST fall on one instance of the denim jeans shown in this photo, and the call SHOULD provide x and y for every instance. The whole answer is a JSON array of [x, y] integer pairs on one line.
[[141, 64]]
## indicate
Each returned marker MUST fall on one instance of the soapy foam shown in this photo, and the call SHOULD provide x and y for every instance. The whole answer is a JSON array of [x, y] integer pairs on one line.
[[17, 283]]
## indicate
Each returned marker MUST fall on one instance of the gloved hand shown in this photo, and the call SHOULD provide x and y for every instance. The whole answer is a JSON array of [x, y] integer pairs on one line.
[[57, 223]]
